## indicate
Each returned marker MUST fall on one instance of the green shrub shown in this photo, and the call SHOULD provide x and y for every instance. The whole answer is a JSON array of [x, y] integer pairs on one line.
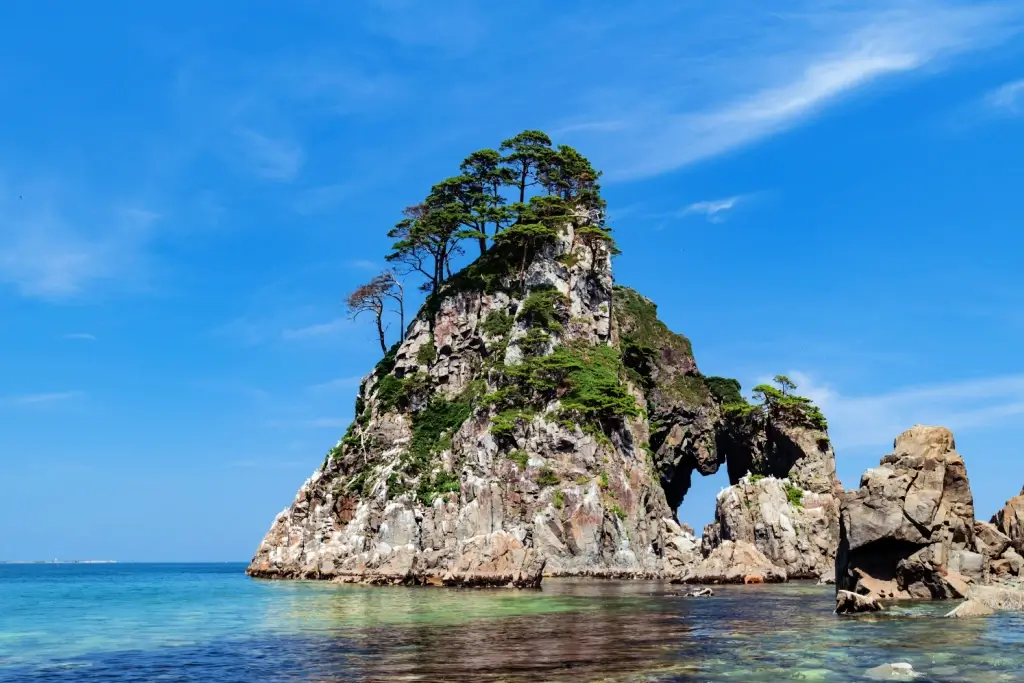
[[603, 480], [754, 478], [545, 309], [794, 495], [396, 485], [441, 418], [725, 390], [440, 484], [506, 422], [618, 512], [389, 392], [547, 477], [427, 354], [558, 500], [498, 323], [520, 458], [387, 363], [582, 480]]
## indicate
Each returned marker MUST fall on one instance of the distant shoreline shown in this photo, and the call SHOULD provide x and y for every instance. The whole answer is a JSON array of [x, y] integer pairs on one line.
[[59, 562]]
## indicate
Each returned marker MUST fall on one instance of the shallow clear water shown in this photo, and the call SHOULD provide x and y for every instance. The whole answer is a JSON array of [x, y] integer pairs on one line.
[[87, 623]]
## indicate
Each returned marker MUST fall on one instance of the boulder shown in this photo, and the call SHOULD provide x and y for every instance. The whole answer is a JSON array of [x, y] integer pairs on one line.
[[899, 671], [1010, 521], [848, 602], [734, 562], [986, 600], [908, 531]]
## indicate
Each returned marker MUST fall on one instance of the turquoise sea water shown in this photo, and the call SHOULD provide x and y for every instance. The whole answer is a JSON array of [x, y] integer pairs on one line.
[[210, 623]]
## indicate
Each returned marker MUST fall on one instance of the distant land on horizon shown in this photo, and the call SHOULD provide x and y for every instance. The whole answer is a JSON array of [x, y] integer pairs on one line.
[[58, 561]]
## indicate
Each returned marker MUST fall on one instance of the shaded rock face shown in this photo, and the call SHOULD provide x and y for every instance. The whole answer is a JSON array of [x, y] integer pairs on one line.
[[444, 479], [784, 494], [734, 562], [683, 416], [909, 530]]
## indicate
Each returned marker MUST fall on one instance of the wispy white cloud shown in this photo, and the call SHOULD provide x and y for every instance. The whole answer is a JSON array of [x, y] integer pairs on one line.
[[323, 198], [36, 399], [53, 248], [874, 420], [714, 210], [317, 330], [269, 464], [807, 61], [1007, 98], [362, 264], [314, 423], [272, 158], [81, 336], [337, 384]]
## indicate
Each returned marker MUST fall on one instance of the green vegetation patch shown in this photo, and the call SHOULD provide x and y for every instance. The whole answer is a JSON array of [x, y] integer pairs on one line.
[[558, 500], [440, 484], [545, 309], [547, 477], [618, 511], [520, 458], [725, 390], [427, 354], [498, 323], [794, 495]]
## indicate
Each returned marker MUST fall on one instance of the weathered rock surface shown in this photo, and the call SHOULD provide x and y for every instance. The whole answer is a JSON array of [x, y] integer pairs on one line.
[[433, 484], [784, 493], [794, 528], [908, 532], [985, 600], [898, 671], [848, 602], [734, 562], [1010, 521]]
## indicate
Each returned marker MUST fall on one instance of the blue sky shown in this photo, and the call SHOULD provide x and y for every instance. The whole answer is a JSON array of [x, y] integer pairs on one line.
[[827, 189]]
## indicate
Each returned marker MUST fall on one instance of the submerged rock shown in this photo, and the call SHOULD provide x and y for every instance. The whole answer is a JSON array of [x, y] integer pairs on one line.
[[848, 602], [908, 532], [900, 671], [735, 562]]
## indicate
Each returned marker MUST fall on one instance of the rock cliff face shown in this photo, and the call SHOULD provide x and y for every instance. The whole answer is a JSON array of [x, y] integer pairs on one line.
[[505, 437], [909, 531], [784, 493]]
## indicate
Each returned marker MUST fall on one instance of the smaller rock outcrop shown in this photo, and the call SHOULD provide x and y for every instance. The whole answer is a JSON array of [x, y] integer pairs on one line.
[[908, 532], [784, 493], [848, 602], [795, 528], [1010, 521], [985, 600], [734, 562]]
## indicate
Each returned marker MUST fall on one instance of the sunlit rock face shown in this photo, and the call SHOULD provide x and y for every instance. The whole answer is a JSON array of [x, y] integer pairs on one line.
[[505, 438]]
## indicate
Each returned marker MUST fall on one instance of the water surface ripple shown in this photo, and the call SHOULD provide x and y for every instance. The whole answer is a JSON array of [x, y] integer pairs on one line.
[[203, 623]]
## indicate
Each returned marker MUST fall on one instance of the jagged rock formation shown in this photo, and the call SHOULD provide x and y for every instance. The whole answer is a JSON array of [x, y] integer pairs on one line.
[[848, 602], [784, 493], [1010, 521], [505, 435], [734, 562], [909, 531]]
